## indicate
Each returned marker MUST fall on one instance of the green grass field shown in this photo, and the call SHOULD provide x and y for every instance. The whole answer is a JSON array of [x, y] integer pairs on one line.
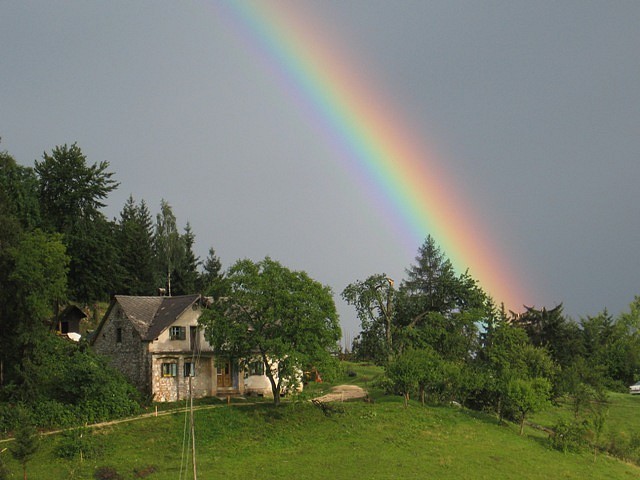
[[381, 440]]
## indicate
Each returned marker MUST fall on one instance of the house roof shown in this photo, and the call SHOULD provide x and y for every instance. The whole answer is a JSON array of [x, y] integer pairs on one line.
[[168, 312], [72, 312], [150, 316]]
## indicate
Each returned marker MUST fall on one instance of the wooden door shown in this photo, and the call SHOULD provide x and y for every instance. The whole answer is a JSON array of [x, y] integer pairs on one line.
[[224, 374]]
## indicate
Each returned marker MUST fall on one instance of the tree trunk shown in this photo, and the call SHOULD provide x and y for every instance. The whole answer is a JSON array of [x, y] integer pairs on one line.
[[275, 387], [406, 399], [522, 425]]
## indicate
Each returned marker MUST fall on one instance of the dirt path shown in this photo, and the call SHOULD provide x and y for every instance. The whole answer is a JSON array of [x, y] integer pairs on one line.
[[161, 413], [341, 393]]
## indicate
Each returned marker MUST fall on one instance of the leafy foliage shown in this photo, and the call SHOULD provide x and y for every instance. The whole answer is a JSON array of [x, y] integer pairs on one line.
[[284, 316], [71, 194], [70, 189], [77, 443], [373, 300], [65, 384]]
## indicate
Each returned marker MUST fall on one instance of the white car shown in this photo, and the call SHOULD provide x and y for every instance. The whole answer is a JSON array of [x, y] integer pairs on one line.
[[635, 388]]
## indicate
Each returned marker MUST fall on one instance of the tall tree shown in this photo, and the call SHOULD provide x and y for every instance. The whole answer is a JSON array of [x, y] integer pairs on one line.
[[551, 329], [94, 272], [436, 307], [431, 283], [284, 316], [19, 192], [34, 283], [169, 244], [26, 442], [71, 194], [433, 286], [70, 188], [186, 276], [212, 274], [373, 299], [135, 248]]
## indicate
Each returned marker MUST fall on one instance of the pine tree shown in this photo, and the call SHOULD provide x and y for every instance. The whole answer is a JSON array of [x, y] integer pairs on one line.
[[186, 275], [432, 280], [135, 247], [212, 267], [25, 444]]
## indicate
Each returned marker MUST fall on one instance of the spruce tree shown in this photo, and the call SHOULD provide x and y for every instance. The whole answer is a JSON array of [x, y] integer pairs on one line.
[[186, 275], [135, 247], [25, 443]]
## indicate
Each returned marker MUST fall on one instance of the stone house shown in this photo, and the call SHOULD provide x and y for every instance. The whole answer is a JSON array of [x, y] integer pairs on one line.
[[157, 344]]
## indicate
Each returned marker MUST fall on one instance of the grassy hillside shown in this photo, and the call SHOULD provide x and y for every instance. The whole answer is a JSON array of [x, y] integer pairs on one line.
[[380, 440]]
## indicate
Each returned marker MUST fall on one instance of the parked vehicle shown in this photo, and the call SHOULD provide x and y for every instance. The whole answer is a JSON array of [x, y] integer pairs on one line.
[[635, 389]]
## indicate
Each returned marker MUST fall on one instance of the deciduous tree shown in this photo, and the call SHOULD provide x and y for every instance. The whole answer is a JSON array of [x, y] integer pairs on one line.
[[283, 316], [70, 188], [71, 194], [528, 395], [169, 245], [373, 299]]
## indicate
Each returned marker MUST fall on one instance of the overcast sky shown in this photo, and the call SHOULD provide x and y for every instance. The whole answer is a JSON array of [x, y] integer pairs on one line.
[[533, 106]]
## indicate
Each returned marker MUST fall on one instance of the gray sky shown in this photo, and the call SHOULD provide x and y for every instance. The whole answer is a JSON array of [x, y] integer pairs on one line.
[[534, 107]]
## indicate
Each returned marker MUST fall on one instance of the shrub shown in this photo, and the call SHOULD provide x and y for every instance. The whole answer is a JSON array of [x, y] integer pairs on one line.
[[79, 442], [4, 471], [569, 436], [625, 447], [107, 473], [144, 472]]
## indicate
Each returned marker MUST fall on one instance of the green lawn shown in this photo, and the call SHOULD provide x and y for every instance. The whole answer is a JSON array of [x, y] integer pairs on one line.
[[381, 440]]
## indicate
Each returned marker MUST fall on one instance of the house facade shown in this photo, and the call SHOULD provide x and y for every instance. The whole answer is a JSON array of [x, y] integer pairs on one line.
[[157, 344]]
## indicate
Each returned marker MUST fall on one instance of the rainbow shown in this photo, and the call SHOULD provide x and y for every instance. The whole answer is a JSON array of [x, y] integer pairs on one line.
[[406, 177]]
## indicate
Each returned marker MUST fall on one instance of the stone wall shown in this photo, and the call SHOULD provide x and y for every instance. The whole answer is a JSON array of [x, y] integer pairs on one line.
[[120, 342], [168, 387]]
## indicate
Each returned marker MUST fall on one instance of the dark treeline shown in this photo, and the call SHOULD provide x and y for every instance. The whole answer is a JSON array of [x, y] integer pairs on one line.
[[134, 254], [57, 247], [441, 337]]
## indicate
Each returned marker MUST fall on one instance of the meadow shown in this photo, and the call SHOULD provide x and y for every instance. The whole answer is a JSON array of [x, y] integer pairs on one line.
[[379, 440]]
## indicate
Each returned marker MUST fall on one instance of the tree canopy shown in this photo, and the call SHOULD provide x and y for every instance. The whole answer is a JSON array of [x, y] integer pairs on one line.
[[282, 316]]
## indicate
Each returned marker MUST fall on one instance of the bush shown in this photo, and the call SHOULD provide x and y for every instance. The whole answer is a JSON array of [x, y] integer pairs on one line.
[[84, 389], [52, 414], [625, 447], [4, 471], [107, 473], [569, 436], [8, 418], [144, 472], [79, 442]]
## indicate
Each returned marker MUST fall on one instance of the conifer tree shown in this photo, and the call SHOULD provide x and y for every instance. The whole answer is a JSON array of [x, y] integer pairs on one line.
[[25, 444], [135, 246]]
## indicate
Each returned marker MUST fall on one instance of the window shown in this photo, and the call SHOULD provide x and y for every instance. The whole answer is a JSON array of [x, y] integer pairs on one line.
[[169, 369], [256, 368], [118, 335], [178, 333], [189, 369]]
